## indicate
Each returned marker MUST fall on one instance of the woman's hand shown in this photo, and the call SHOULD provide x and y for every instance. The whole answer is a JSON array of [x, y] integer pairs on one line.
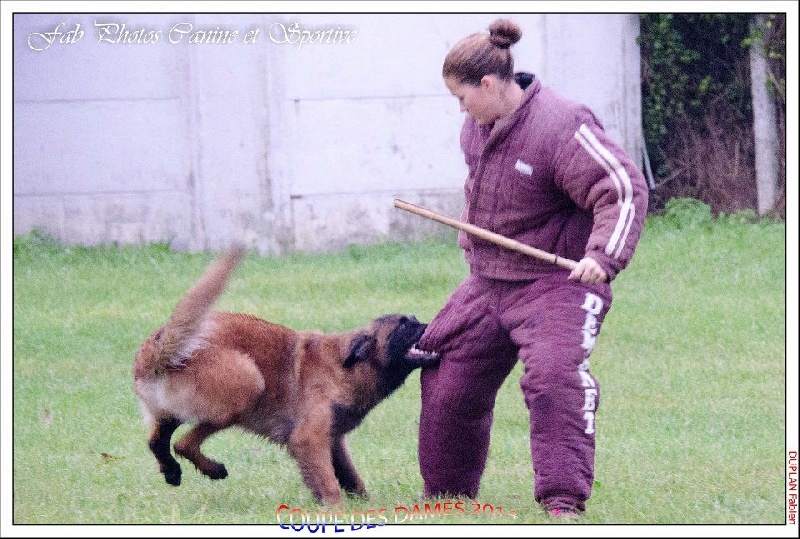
[[588, 271]]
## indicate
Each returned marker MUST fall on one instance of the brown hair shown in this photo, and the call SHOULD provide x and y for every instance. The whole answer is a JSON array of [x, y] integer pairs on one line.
[[483, 54]]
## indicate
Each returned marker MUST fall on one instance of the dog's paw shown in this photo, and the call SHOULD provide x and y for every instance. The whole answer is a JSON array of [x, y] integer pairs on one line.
[[358, 493], [173, 475], [218, 471]]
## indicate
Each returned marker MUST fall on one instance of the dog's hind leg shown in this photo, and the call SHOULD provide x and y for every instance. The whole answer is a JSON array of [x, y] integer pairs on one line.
[[345, 470], [189, 448], [159, 444]]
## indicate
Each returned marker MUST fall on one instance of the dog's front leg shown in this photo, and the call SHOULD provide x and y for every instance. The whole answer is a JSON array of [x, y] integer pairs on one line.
[[310, 445], [345, 470]]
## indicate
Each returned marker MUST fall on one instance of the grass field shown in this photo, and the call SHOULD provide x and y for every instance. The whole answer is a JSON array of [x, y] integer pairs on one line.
[[691, 363]]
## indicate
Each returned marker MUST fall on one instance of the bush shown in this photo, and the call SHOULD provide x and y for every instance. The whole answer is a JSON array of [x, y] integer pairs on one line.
[[687, 213]]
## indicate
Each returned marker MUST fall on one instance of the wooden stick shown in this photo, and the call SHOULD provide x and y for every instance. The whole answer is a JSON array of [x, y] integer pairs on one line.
[[487, 235]]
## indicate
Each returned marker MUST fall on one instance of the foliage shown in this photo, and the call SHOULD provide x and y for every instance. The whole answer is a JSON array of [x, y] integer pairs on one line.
[[697, 102], [687, 213], [691, 214], [688, 60]]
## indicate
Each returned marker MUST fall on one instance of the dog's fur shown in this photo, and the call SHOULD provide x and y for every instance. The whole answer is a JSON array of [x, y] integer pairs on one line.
[[301, 389]]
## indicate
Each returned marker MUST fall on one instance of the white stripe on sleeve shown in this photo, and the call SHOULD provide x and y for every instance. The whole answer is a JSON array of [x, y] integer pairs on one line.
[[622, 181]]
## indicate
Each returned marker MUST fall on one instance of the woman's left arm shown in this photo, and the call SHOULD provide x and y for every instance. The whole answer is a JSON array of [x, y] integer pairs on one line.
[[600, 178]]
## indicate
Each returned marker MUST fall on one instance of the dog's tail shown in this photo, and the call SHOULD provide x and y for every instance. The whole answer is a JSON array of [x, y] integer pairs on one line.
[[188, 325]]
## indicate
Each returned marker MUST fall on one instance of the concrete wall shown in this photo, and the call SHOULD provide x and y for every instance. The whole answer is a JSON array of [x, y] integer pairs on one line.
[[281, 145]]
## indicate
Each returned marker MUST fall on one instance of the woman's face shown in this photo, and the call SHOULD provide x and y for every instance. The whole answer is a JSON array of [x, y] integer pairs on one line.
[[480, 101]]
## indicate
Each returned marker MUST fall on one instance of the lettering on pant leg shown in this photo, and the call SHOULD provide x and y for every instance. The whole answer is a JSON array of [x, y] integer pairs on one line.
[[593, 305], [588, 417], [590, 400], [589, 396], [586, 378]]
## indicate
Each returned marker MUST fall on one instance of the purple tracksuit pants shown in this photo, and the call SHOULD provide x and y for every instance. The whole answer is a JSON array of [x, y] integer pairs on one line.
[[549, 324]]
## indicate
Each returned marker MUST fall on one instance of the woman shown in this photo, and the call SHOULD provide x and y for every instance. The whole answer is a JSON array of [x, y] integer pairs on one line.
[[541, 171]]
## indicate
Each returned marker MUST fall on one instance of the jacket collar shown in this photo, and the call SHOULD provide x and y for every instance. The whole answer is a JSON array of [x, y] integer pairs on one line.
[[500, 129]]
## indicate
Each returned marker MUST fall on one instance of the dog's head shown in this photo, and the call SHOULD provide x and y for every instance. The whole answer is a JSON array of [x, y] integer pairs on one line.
[[388, 344]]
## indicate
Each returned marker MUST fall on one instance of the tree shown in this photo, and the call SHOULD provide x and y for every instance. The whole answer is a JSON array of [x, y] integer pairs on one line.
[[768, 87]]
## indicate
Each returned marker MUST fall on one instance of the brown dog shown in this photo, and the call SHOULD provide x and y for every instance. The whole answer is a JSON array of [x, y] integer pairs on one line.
[[301, 389]]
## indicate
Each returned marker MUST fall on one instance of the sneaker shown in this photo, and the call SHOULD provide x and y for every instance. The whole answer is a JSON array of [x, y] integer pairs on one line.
[[560, 507], [563, 513]]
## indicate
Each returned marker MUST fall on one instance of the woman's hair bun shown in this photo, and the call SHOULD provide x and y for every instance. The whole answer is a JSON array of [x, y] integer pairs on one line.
[[504, 32]]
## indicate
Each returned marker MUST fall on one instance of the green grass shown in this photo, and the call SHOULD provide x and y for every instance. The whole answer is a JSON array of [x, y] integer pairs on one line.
[[691, 363]]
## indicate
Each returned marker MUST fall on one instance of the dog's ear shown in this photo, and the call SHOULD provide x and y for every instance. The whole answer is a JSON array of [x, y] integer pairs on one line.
[[361, 349]]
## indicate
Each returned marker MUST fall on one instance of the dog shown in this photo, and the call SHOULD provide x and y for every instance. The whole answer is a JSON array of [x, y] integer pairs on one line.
[[301, 389]]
